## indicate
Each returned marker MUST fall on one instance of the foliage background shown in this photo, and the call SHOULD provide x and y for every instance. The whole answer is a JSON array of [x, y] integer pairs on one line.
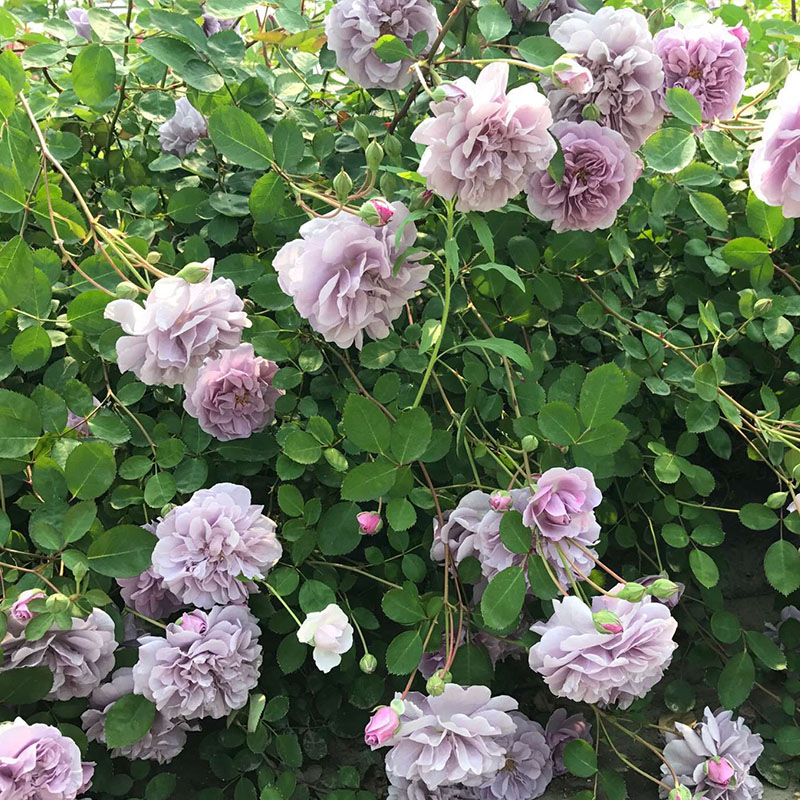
[[662, 354]]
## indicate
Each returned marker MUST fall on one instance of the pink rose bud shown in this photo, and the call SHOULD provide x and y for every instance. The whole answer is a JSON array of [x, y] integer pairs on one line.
[[570, 76], [381, 727], [20, 611], [384, 209], [607, 622], [369, 522], [500, 500], [741, 33], [719, 771], [680, 793], [193, 622]]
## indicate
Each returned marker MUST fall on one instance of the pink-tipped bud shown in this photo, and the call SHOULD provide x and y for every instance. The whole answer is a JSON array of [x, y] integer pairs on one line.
[[741, 33], [607, 622], [376, 212], [196, 621], [500, 500], [383, 724], [719, 771], [369, 522], [571, 76], [20, 611], [680, 793]]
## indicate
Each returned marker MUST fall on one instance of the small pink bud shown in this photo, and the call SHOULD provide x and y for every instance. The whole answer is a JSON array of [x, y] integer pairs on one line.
[[19, 610], [193, 622], [741, 33], [426, 196], [607, 622], [369, 522], [571, 76], [719, 771], [384, 209], [381, 727], [500, 500]]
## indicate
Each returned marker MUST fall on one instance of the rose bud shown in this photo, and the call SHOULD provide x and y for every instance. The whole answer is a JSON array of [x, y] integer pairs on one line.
[[719, 771], [570, 76], [607, 622], [369, 522], [383, 724], [500, 500]]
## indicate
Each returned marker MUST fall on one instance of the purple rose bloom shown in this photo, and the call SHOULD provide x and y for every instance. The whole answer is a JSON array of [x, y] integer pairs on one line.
[[19, 615], [482, 142], [615, 45], [37, 762], [179, 326], [232, 395], [560, 731], [147, 595], [527, 770], [180, 134], [353, 28], [775, 163], [456, 738], [79, 17], [165, 739], [193, 674], [342, 278], [401, 789], [582, 664], [706, 60], [599, 173], [78, 658], [562, 507], [207, 543], [431, 662], [546, 11], [460, 527], [212, 24], [714, 757]]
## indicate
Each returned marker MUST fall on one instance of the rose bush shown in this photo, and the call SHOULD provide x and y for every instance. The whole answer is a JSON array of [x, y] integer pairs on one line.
[[399, 398]]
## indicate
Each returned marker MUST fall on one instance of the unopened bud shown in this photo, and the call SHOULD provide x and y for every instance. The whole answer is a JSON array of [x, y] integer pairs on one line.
[[680, 793], [342, 184], [388, 184], [438, 94], [792, 378], [435, 685], [193, 272], [762, 306], [590, 111], [529, 443], [369, 522], [632, 592], [376, 212], [361, 133], [57, 603], [125, 290], [398, 706], [368, 663], [374, 154], [663, 588], [392, 145], [607, 622], [572, 77], [500, 500], [776, 500], [153, 257]]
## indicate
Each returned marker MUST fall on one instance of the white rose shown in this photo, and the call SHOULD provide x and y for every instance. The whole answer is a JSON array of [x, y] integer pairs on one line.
[[331, 634]]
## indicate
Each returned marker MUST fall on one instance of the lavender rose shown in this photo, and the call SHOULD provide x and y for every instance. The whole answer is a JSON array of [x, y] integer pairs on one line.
[[582, 664], [232, 395], [545, 11], [79, 17], [180, 325], [37, 762], [206, 544], [342, 278], [460, 527], [165, 739], [714, 758], [615, 45], [527, 770], [436, 733], [212, 24], [78, 658], [706, 60], [206, 672], [146, 594], [353, 28], [401, 789], [560, 731], [599, 173], [482, 142], [774, 174], [180, 134]]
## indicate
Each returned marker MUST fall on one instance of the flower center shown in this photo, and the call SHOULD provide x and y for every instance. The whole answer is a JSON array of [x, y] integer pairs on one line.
[[696, 73], [581, 174], [386, 29], [509, 766], [242, 399]]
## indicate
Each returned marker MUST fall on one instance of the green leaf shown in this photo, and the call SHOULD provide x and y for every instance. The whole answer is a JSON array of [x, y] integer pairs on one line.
[[580, 758], [240, 138], [765, 650], [287, 144], [502, 601], [604, 439], [183, 204], [365, 425], [757, 517], [16, 272], [369, 481], [411, 435], [78, 520], [493, 22], [31, 348], [391, 49], [403, 606], [509, 273], [514, 534], [94, 74], [559, 423], [704, 568], [290, 500], [782, 566], [20, 424], [484, 234], [23, 685], [302, 447], [337, 530], [472, 666], [540, 50], [107, 25], [85, 312], [736, 681], [711, 209], [266, 198], [684, 105], [90, 470], [720, 148], [159, 489], [705, 382], [403, 653], [725, 626], [765, 221], [602, 394], [12, 192], [121, 552], [745, 252], [505, 348], [670, 149], [787, 737], [128, 720]]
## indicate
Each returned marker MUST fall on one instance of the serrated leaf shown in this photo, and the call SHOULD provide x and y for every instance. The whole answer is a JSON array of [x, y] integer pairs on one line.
[[403, 653], [782, 567], [736, 680], [502, 600]]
